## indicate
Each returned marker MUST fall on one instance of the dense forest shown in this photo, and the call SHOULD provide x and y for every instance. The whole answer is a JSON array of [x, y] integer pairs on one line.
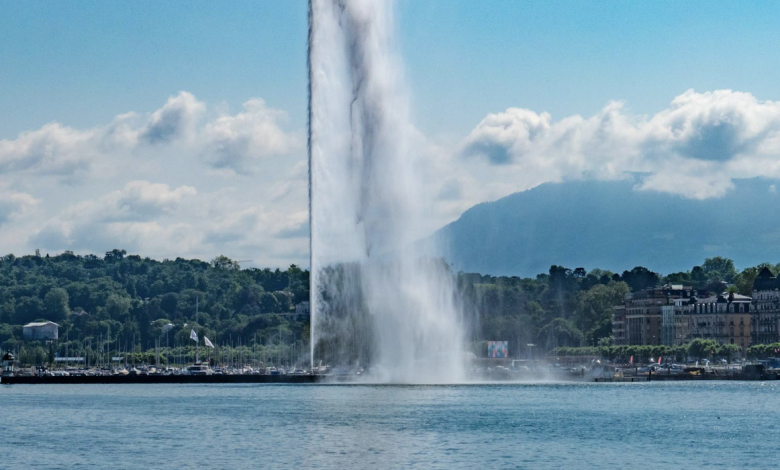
[[127, 303], [573, 307]]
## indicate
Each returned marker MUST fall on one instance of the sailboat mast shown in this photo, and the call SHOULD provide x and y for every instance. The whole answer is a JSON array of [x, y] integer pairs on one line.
[[197, 343]]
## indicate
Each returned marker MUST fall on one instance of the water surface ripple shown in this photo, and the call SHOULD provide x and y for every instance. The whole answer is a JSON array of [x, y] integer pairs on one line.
[[539, 426]]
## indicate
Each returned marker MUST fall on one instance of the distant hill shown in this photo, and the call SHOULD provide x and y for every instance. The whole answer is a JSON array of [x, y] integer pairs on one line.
[[610, 225]]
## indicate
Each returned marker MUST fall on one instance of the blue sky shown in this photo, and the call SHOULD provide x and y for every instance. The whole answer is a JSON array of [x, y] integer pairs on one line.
[[229, 78], [83, 62]]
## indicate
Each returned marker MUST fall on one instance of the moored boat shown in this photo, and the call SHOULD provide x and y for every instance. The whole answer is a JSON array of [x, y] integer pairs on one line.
[[199, 368]]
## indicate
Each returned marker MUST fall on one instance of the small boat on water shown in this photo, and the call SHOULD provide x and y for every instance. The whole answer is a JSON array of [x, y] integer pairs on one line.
[[199, 368]]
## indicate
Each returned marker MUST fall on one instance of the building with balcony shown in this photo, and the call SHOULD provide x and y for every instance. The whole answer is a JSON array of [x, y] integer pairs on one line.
[[725, 318], [647, 317], [766, 308]]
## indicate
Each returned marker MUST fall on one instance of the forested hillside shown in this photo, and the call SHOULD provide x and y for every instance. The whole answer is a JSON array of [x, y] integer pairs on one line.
[[573, 307], [129, 300], [127, 303]]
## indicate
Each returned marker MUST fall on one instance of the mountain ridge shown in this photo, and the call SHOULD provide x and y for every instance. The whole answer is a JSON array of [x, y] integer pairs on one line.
[[610, 225]]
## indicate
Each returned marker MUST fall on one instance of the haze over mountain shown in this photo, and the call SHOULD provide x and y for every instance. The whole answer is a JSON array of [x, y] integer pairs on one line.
[[610, 225]]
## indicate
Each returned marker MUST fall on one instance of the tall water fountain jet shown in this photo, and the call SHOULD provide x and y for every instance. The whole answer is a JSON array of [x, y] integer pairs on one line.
[[376, 299]]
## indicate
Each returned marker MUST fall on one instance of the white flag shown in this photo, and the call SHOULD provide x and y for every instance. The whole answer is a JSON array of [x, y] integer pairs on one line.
[[193, 336], [208, 343]]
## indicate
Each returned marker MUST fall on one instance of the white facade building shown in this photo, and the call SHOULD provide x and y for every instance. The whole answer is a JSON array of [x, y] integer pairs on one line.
[[41, 331]]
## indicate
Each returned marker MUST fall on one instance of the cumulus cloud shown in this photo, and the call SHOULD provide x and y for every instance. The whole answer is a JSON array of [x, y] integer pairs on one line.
[[130, 183], [175, 120], [164, 222], [140, 200], [236, 141], [113, 216], [693, 148], [51, 150], [15, 203]]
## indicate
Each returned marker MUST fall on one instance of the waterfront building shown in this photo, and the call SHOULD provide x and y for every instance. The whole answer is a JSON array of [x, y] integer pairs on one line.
[[680, 323], [673, 315], [766, 308], [725, 318], [642, 318], [619, 325], [668, 324], [41, 331]]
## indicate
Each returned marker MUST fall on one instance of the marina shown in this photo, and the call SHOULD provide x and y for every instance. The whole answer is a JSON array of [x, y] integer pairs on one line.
[[509, 371]]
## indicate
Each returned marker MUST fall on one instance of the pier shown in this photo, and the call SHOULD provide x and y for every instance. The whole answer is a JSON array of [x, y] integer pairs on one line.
[[163, 379]]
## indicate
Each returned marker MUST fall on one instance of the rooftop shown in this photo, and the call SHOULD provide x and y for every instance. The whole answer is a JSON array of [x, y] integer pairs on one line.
[[725, 297], [40, 323]]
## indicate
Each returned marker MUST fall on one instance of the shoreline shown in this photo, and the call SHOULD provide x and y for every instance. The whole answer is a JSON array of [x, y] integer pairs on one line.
[[329, 379]]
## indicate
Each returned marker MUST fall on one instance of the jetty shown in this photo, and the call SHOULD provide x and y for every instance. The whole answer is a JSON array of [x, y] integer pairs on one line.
[[162, 379]]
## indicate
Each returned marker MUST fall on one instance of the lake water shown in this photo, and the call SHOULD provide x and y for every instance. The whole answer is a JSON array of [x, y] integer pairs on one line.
[[539, 426]]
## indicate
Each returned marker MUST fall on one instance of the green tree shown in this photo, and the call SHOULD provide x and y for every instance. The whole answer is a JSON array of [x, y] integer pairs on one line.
[[114, 255], [28, 309], [223, 262], [169, 302], [596, 306], [268, 303], [682, 278], [727, 351], [640, 278], [702, 348], [560, 332], [117, 306], [56, 303], [698, 277], [719, 269]]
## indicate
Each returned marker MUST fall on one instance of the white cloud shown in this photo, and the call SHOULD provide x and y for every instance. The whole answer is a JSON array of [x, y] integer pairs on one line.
[[117, 216], [238, 141], [13, 203], [51, 150], [235, 142], [156, 220], [127, 189], [138, 200], [131, 184], [176, 120], [694, 148]]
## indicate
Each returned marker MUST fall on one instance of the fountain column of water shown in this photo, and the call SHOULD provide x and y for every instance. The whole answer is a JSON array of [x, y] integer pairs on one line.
[[375, 298]]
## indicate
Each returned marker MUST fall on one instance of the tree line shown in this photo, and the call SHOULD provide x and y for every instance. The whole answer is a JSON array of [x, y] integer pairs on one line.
[[697, 349], [573, 307], [129, 303], [134, 303]]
